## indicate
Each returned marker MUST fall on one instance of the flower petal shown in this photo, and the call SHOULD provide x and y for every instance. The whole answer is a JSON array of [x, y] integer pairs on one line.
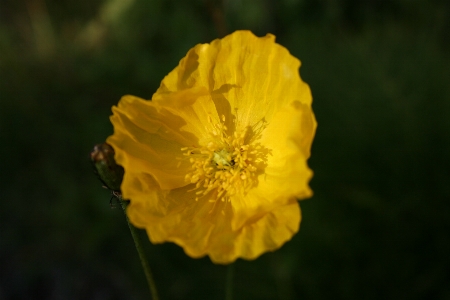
[[204, 228], [255, 75], [288, 139], [267, 233], [148, 140]]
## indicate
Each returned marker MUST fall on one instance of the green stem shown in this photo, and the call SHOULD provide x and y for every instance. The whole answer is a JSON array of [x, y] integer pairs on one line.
[[229, 282], [140, 250]]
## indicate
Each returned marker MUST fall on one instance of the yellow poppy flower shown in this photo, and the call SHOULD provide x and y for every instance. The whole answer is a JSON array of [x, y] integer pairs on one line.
[[216, 161]]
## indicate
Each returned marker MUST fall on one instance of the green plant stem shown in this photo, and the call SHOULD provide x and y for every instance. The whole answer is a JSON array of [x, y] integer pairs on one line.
[[140, 250], [229, 282]]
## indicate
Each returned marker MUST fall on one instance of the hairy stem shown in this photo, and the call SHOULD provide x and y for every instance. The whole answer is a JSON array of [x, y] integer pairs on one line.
[[141, 252]]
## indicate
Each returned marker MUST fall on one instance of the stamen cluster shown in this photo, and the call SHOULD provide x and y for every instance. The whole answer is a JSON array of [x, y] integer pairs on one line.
[[225, 166]]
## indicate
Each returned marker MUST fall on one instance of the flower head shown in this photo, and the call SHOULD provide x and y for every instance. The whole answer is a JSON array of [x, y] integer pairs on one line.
[[216, 161]]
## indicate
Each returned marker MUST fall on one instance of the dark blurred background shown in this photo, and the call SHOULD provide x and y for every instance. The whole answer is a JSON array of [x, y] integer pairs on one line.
[[378, 226]]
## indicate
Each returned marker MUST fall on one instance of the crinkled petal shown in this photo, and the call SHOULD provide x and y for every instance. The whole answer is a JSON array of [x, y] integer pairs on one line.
[[147, 139], [288, 138], [204, 228], [267, 233], [194, 106], [251, 76]]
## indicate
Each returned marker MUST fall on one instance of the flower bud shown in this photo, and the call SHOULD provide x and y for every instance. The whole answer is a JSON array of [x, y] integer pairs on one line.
[[105, 167]]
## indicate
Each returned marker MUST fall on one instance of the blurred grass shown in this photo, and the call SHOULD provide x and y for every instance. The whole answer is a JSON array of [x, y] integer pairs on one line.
[[378, 225]]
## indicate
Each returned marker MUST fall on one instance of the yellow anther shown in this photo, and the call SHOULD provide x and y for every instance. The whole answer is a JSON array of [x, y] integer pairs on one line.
[[195, 178], [221, 168]]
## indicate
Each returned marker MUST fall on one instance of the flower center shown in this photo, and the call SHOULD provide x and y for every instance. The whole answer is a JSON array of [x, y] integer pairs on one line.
[[226, 166]]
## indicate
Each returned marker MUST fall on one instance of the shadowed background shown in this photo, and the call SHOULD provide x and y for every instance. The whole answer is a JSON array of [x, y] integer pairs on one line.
[[378, 226]]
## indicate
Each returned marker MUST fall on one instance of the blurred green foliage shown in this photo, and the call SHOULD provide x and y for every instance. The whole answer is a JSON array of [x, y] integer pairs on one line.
[[378, 226]]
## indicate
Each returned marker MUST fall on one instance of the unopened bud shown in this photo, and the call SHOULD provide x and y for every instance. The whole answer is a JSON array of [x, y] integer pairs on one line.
[[106, 168]]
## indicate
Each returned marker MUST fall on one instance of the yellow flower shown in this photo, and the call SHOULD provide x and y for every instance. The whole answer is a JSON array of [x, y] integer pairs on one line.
[[216, 161]]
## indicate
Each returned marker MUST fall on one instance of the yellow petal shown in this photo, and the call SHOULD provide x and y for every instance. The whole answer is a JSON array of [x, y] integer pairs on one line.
[[252, 76], [267, 233], [193, 106], [288, 139], [148, 139], [204, 228]]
